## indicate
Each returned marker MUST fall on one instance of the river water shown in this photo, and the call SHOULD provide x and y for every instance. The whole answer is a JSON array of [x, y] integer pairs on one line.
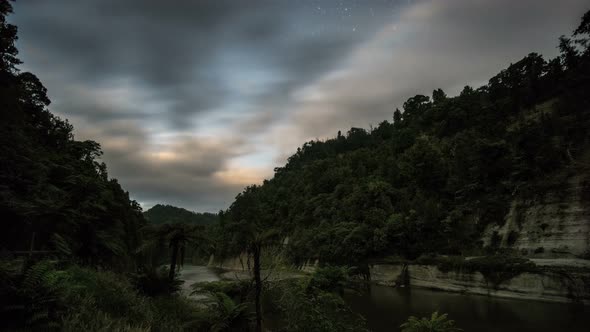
[[386, 308], [195, 273]]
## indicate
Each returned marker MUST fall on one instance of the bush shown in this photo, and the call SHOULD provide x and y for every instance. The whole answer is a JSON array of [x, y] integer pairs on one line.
[[227, 315], [330, 279], [295, 306], [496, 268], [176, 313], [237, 290], [436, 323], [47, 298], [155, 282], [112, 293]]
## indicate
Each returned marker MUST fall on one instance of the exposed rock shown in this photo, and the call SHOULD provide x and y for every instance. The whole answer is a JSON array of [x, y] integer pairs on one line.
[[555, 286], [552, 223]]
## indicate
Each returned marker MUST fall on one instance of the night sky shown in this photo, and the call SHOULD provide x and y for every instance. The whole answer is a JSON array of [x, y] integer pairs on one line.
[[193, 100]]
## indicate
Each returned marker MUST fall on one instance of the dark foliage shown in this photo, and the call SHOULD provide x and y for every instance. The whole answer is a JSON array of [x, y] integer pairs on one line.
[[435, 177], [161, 214], [54, 191]]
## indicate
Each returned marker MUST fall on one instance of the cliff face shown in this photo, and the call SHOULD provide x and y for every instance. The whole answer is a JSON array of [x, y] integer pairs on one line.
[[552, 222], [554, 286]]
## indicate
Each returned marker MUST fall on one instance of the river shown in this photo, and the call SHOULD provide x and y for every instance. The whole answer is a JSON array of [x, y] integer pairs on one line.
[[385, 308]]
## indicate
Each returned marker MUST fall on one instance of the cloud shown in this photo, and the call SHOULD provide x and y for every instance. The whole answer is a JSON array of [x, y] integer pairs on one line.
[[432, 44], [193, 100]]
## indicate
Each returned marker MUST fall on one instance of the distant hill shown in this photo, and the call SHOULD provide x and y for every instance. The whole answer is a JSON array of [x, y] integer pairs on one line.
[[161, 214]]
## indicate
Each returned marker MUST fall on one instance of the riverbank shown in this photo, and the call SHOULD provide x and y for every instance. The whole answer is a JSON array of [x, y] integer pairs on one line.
[[552, 281], [561, 280]]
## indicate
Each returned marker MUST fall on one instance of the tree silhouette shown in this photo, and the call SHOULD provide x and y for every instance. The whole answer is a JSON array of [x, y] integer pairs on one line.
[[176, 237]]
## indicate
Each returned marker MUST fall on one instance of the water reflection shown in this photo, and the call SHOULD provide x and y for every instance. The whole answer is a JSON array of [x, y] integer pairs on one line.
[[385, 308]]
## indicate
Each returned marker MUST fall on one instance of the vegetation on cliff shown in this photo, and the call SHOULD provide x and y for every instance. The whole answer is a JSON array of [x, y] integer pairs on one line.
[[432, 179]]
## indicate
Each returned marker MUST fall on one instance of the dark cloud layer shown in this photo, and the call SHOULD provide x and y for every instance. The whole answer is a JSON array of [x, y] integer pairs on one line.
[[193, 100]]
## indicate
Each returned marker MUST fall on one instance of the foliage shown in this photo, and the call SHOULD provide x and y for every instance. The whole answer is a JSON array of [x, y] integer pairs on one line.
[[51, 185], [32, 299], [330, 279], [176, 237], [436, 323], [295, 306], [161, 214], [229, 316], [48, 297], [235, 289], [155, 282], [434, 178], [496, 268]]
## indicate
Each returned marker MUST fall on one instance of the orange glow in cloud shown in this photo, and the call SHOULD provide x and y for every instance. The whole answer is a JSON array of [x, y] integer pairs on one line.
[[242, 176]]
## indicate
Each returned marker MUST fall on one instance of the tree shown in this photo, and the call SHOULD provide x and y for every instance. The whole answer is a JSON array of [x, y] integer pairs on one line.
[[8, 52], [397, 117], [254, 241], [250, 226], [438, 96], [176, 237]]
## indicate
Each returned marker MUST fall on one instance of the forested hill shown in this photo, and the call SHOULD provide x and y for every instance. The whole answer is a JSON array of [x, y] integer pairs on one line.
[[431, 178], [55, 194], [161, 214]]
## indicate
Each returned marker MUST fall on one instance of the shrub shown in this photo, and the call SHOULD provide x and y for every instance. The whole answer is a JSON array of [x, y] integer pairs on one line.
[[436, 323], [47, 298], [227, 315], [176, 313], [499, 268], [155, 282], [297, 307], [330, 279], [495, 268], [237, 290], [112, 293]]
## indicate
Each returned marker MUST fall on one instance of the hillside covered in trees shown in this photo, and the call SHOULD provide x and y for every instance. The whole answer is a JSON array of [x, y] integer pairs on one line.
[[434, 176], [161, 214], [55, 193]]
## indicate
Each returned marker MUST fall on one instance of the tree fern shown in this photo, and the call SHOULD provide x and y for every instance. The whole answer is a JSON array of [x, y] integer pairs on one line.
[[436, 323], [230, 316]]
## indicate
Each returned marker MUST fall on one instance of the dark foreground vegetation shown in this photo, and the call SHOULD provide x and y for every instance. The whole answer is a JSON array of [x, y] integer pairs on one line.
[[77, 254]]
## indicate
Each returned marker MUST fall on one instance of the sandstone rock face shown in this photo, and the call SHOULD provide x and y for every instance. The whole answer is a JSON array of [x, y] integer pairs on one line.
[[553, 223], [386, 274], [544, 286]]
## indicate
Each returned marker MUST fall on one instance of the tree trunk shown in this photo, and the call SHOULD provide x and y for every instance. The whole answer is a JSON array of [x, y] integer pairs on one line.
[[258, 287], [172, 270]]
